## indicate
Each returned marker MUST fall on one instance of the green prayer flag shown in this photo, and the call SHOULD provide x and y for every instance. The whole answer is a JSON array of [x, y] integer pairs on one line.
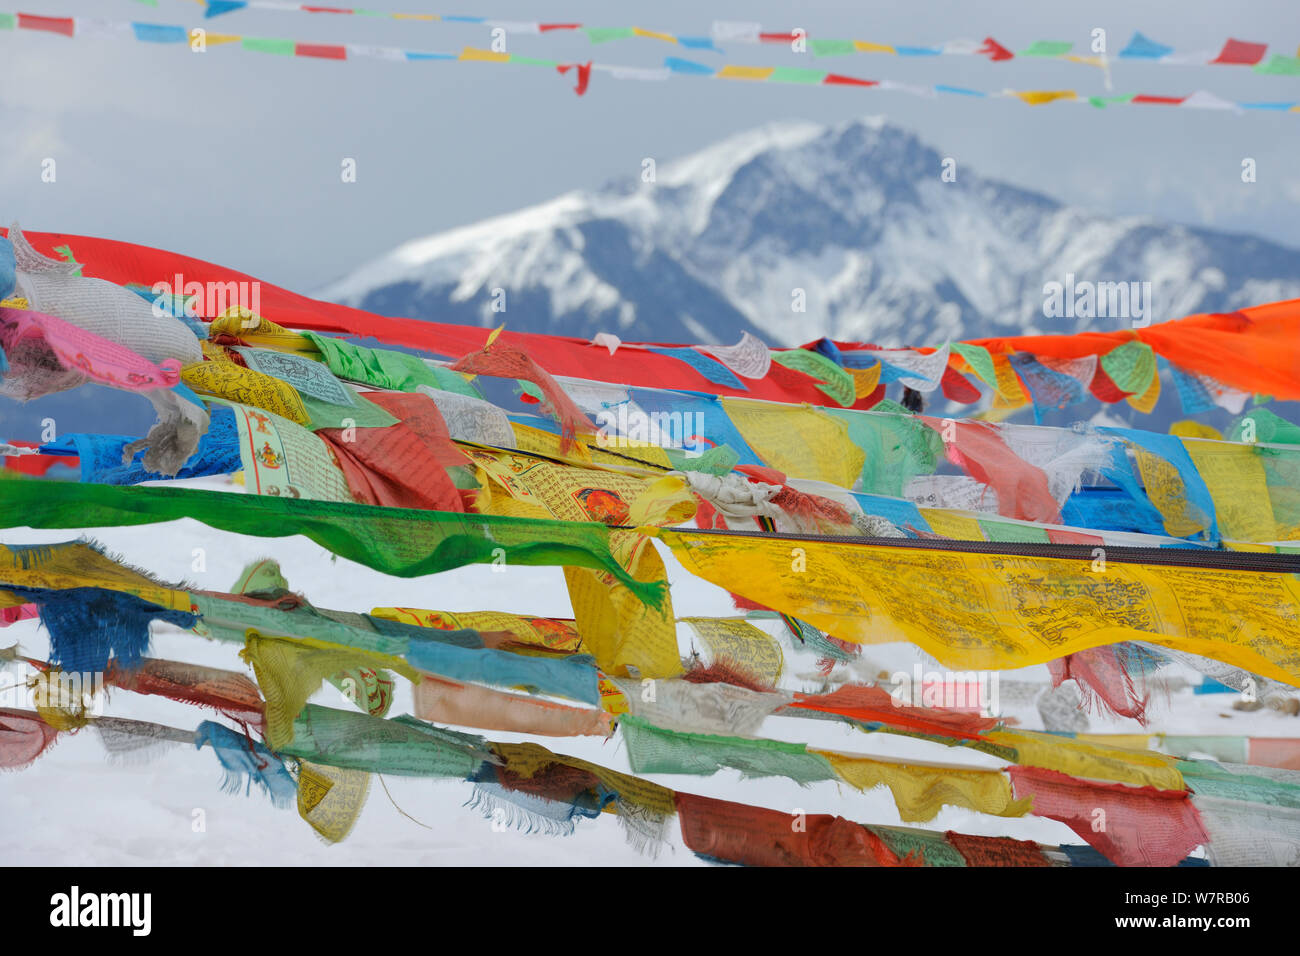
[[1264, 426], [832, 47], [794, 74], [402, 746], [268, 45], [605, 34], [1237, 782], [835, 381], [1011, 532], [400, 541], [718, 460], [1131, 366], [652, 749], [364, 414], [386, 368], [979, 359], [1280, 65], [1047, 48], [897, 448], [1101, 102]]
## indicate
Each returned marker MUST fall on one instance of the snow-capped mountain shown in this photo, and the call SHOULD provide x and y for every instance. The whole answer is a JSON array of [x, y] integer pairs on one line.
[[856, 220]]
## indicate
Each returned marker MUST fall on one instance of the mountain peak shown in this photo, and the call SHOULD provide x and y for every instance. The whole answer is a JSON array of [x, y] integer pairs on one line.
[[853, 221]]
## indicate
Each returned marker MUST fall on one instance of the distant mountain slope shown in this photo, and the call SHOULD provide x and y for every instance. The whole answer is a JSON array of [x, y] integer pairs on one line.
[[856, 216]]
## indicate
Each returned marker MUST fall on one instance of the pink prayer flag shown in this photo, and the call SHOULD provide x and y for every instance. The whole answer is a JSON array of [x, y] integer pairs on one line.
[[98, 358]]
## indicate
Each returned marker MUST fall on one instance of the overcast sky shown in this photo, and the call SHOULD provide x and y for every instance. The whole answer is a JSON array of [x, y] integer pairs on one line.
[[235, 156]]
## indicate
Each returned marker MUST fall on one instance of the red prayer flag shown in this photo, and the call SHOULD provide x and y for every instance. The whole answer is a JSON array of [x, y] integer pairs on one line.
[[37, 464], [755, 836], [322, 50], [995, 50], [1158, 100], [584, 74], [1104, 389], [61, 25], [1241, 52], [956, 387], [841, 80], [1143, 826], [996, 851]]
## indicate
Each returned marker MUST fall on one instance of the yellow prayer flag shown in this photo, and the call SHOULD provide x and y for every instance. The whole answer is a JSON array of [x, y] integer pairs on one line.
[[290, 670], [541, 442], [733, 72], [1237, 483], [799, 440], [999, 611], [1191, 429], [331, 799], [612, 700], [1165, 487], [76, 564], [736, 641], [248, 387], [654, 35], [950, 525], [1039, 97], [920, 792], [1145, 402], [1009, 392], [865, 380], [1138, 742], [997, 413], [1090, 760], [577, 493], [487, 56], [627, 638]]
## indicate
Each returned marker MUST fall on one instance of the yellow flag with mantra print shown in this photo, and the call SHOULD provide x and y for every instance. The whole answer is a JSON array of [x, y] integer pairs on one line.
[[77, 564], [248, 387], [627, 637], [330, 799], [1000, 611], [1235, 477], [799, 440], [736, 642], [952, 525], [523, 485]]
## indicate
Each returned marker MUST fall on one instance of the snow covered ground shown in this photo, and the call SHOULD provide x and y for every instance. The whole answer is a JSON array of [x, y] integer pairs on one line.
[[73, 807]]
